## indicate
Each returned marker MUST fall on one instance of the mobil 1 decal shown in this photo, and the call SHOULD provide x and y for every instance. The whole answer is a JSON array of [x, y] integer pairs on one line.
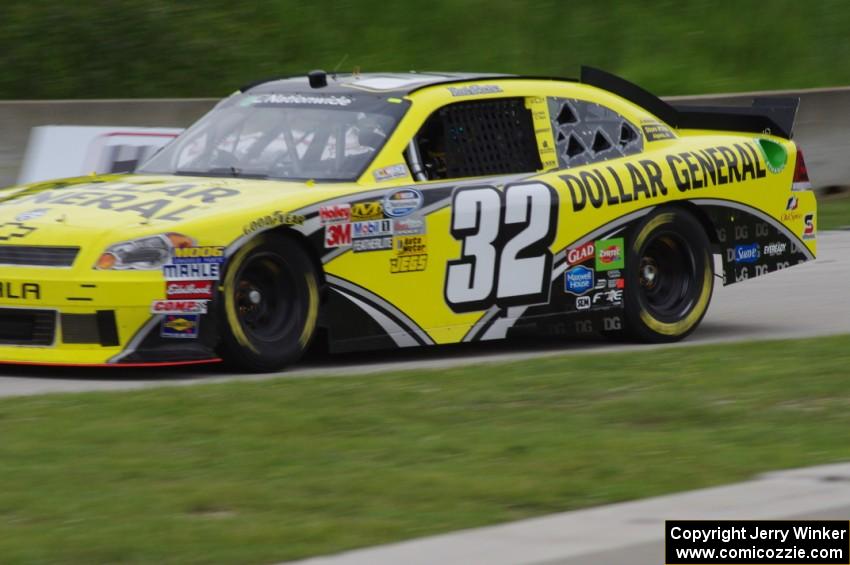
[[505, 238]]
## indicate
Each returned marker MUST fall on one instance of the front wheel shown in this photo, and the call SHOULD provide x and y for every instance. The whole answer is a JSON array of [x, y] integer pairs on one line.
[[270, 303], [669, 277]]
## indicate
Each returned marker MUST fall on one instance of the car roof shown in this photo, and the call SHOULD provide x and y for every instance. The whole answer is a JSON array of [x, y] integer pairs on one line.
[[390, 84]]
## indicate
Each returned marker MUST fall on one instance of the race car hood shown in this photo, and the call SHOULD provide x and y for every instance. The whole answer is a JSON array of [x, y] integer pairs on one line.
[[123, 206]]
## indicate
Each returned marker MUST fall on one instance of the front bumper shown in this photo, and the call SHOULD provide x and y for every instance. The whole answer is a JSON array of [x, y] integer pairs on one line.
[[61, 316]]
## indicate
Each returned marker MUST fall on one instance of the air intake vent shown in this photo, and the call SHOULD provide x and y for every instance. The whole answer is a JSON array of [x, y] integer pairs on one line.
[[38, 255], [20, 326]]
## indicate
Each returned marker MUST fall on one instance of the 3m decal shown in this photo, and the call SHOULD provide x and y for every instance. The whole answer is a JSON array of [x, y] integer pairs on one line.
[[189, 290], [335, 213], [402, 202], [192, 271], [337, 235], [180, 326], [179, 307], [276, 218], [610, 254], [578, 280], [205, 254], [408, 264], [410, 245], [505, 258], [366, 211]]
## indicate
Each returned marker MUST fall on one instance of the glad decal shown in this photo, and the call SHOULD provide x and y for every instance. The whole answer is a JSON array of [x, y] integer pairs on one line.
[[581, 254]]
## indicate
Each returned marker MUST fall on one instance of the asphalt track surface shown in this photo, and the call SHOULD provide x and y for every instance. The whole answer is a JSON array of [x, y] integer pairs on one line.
[[805, 301]]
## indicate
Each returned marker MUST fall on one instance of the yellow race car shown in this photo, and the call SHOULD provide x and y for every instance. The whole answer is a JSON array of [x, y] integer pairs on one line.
[[395, 210]]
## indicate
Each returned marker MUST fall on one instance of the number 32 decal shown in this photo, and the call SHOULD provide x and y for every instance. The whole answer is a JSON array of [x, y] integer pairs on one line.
[[505, 258]]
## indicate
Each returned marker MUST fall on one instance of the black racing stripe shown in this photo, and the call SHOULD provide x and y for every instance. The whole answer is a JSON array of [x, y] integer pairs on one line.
[[367, 299]]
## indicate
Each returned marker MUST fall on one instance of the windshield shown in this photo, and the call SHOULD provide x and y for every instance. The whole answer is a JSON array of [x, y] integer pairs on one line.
[[283, 136]]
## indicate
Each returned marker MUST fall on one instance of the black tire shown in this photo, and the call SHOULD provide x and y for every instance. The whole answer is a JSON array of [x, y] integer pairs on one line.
[[269, 304], [669, 276]]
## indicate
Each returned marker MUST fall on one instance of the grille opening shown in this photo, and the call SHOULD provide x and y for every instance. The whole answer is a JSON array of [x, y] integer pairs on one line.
[[27, 327], [38, 255]]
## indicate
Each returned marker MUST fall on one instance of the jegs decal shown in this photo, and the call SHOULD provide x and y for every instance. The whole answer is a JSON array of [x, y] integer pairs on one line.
[[505, 258]]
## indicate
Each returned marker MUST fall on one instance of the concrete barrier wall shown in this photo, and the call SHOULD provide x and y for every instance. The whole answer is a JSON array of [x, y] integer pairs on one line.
[[18, 118], [822, 128]]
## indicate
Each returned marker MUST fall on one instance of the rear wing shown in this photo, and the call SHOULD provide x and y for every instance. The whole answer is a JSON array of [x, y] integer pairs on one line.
[[774, 116]]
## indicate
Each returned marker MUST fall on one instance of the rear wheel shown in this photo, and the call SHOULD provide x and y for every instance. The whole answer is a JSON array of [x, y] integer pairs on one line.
[[270, 303], [669, 277]]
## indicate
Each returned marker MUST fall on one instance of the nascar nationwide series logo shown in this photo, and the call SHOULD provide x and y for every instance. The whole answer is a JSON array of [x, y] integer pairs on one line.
[[402, 202]]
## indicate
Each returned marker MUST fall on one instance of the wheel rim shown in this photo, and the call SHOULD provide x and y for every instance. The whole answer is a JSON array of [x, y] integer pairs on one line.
[[667, 274], [263, 297]]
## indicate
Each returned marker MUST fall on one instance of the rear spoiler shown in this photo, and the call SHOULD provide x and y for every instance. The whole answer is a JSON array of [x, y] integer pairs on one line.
[[774, 116]]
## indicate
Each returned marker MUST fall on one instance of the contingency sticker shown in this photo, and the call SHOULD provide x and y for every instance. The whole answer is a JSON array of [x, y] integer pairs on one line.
[[180, 326], [610, 254]]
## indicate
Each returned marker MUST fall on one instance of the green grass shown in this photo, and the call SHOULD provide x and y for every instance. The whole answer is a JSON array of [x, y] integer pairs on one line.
[[157, 48], [834, 212], [265, 471]]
